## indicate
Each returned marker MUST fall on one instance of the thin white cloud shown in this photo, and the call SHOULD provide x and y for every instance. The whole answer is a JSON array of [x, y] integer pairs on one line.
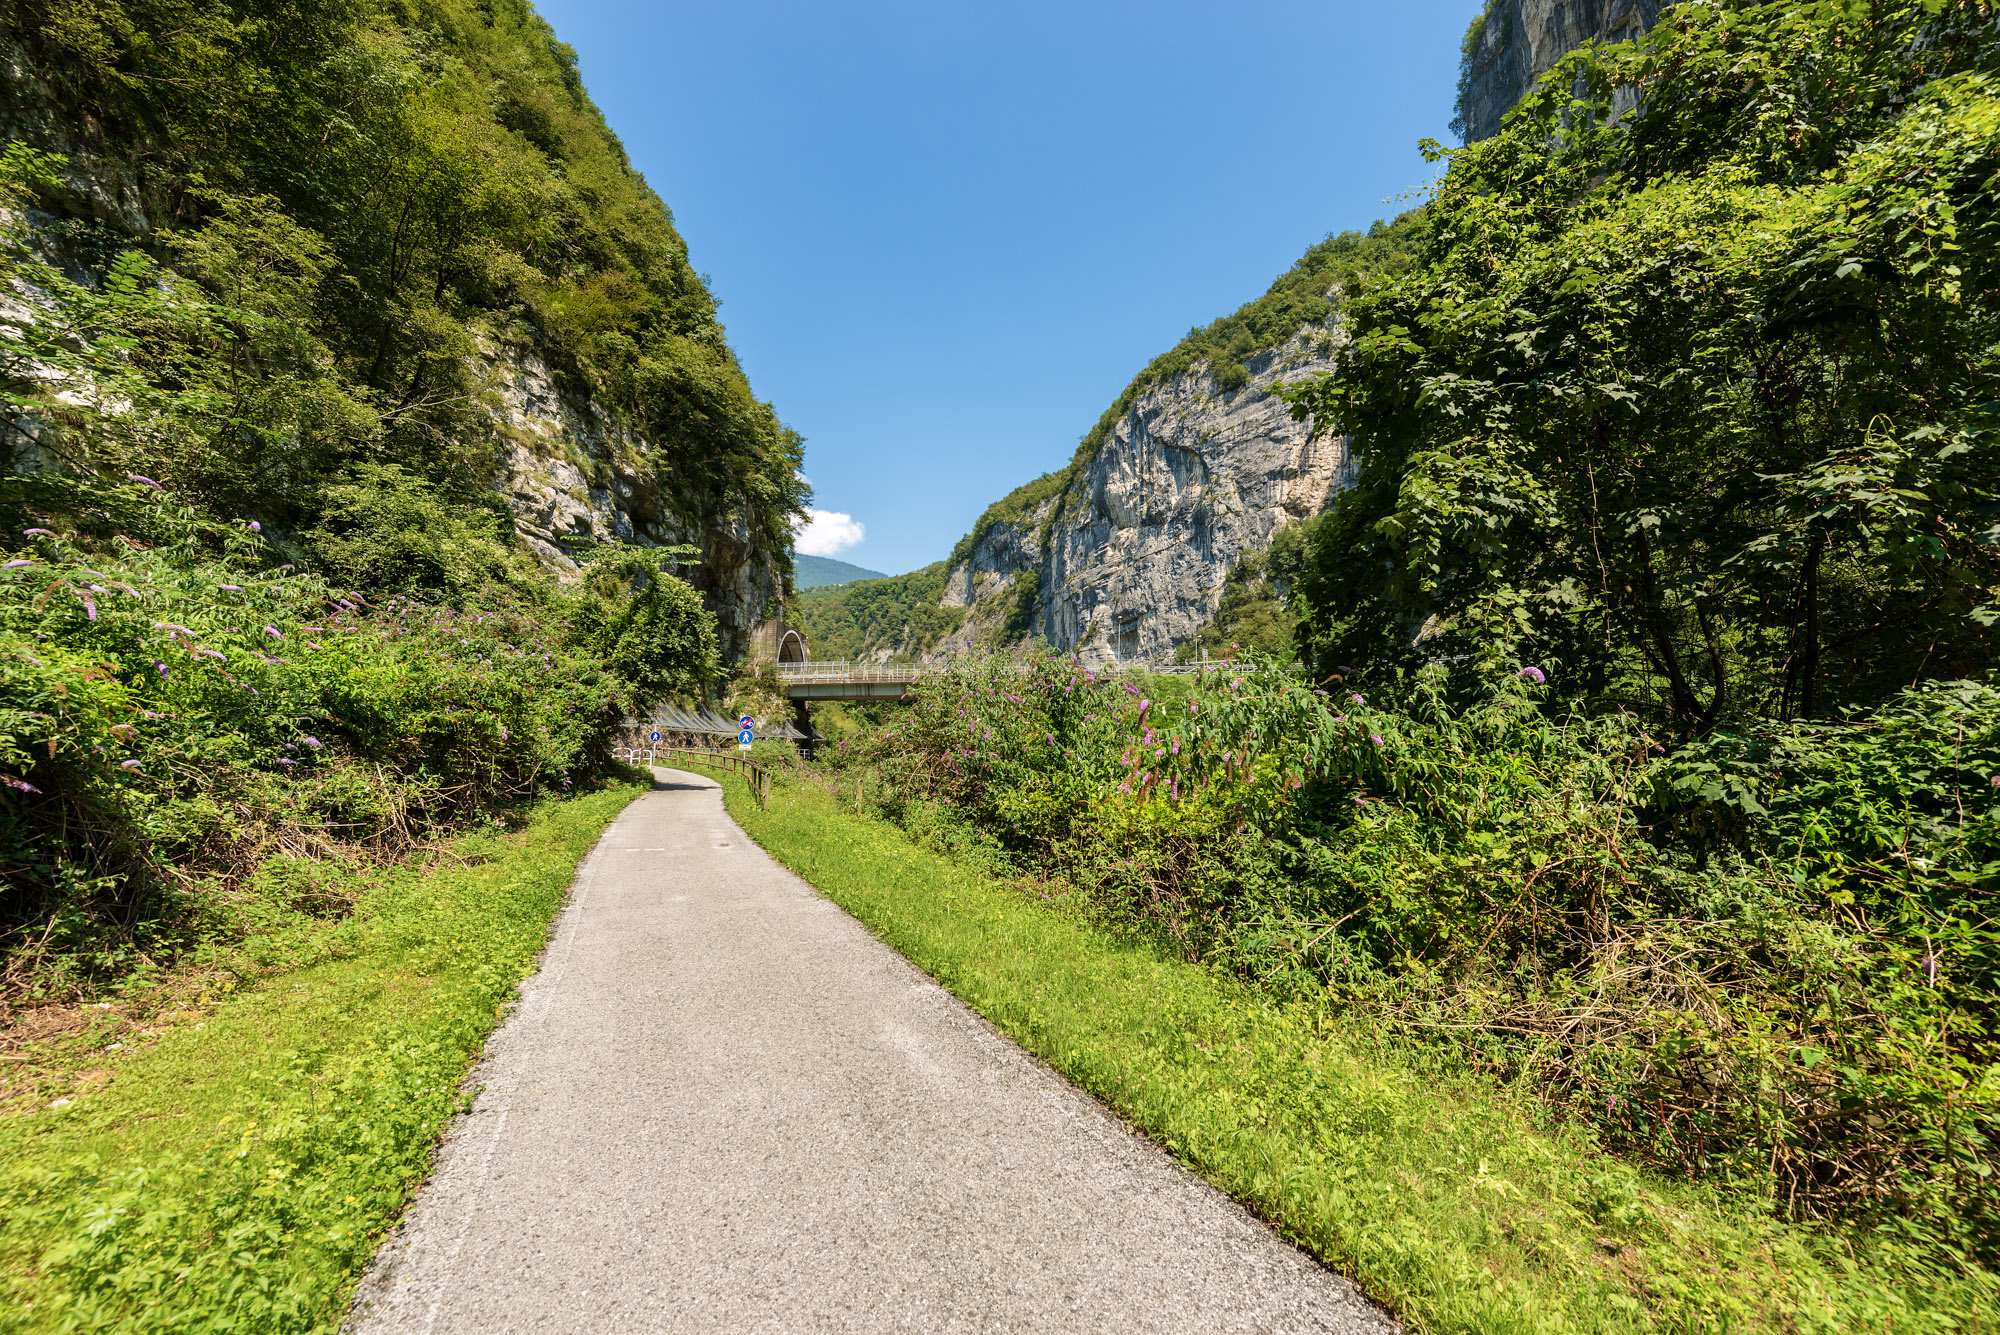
[[828, 533]]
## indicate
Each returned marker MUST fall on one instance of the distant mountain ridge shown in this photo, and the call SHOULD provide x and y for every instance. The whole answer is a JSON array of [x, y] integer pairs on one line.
[[810, 572]]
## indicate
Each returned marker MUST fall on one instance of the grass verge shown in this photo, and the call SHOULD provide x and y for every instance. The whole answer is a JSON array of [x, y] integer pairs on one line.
[[1460, 1206], [238, 1174]]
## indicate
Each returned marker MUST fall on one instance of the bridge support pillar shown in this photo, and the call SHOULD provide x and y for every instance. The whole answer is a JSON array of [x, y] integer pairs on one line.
[[802, 720]]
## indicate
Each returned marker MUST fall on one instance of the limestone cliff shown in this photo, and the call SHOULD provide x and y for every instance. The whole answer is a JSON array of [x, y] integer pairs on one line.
[[476, 276], [1127, 560], [1517, 41], [570, 469]]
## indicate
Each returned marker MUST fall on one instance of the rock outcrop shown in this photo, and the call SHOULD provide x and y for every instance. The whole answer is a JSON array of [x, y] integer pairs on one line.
[[1128, 560], [1523, 39], [569, 464], [571, 470]]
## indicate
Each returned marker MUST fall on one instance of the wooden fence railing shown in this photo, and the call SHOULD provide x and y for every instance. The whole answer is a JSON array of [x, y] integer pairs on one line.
[[758, 777]]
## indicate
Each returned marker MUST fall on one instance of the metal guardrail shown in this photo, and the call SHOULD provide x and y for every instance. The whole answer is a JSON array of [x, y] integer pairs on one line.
[[903, 672], [758, 777], [856, 672]]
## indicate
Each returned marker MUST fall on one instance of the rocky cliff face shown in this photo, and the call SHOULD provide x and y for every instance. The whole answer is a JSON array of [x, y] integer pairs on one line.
[[1523, 39], [1128, 561], [571, 470], [569, 465]]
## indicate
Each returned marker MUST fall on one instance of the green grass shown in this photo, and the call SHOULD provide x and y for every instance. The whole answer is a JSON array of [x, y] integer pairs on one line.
[[1457, 1205], [238, 1174]]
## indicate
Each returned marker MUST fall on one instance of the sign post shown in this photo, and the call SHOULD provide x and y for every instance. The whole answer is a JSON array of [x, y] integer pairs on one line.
[[748, 733]]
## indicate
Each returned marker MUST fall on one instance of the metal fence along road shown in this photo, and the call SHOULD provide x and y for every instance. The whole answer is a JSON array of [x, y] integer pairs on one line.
[[758, 777]]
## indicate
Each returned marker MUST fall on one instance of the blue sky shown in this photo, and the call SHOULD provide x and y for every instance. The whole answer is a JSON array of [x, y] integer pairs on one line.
[[946, 235]]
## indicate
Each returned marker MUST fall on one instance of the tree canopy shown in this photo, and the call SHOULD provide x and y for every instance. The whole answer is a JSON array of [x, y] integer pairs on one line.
[[1693, 406]]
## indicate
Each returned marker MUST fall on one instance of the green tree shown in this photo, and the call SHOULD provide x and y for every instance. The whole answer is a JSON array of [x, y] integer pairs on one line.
[[1694, 407]]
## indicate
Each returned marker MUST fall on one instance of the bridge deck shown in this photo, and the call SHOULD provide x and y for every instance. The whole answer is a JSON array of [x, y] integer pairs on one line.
[[845, 681]]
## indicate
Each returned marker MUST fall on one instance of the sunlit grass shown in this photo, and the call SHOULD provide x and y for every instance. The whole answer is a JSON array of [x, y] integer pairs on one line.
[[1458, 1205], [237, 1174]]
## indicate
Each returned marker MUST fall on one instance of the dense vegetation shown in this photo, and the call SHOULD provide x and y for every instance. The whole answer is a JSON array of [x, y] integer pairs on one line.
[[322, 232], [1649, 746], [261, 612], [1462, 1208], [899, 615], [195, 734], [1695, 408]]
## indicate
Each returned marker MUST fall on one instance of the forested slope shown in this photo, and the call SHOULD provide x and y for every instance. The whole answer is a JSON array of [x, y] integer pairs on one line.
[[336, 332], [384, 221]]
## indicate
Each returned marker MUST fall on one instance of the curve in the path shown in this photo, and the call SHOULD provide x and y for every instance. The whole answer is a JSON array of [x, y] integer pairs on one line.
[[723, 1106]]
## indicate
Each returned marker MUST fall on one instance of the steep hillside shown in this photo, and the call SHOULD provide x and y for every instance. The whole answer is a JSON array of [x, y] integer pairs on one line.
[[1511, 43], [812, 572], [387, 234], [902, 616], [1124, 551]]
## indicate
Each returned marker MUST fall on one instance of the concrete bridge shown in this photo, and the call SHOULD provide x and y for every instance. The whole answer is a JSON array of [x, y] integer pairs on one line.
[[845, 681]]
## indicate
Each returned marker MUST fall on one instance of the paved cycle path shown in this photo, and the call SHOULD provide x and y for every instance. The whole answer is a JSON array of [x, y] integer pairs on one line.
[[723, 1106]]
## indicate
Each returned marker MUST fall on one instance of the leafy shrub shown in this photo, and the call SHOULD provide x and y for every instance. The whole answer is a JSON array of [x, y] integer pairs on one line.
[[1766, 963], [177, 706]]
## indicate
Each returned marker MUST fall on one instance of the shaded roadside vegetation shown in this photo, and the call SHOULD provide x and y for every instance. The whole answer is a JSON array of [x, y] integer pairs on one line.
[[199, 739], [1644, 744], [1459, 1206], [264, 622]]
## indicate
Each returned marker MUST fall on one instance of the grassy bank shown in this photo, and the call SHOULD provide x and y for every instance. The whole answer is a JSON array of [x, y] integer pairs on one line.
[[237, 1174], [1457, 1204]]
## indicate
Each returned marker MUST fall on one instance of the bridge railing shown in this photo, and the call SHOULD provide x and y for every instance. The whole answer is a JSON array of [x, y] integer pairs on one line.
[[856, 672]]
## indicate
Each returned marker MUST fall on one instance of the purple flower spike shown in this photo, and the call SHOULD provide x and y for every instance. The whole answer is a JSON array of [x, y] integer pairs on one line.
[[274, 632], [89, 607], [145, 481], [1535, 675], [37, 533], [1375, 737], [230, 588], [21, 784], [313, 742], [128, 764], [256, 527], [15, 565], [159, 667], [283, 761]]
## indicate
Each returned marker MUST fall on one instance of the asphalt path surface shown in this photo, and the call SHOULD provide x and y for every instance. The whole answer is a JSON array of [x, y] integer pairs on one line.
[[723, 1106]]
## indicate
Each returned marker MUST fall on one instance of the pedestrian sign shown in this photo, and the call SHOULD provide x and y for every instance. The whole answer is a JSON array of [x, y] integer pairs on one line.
[[656, 737], [743, 738]]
